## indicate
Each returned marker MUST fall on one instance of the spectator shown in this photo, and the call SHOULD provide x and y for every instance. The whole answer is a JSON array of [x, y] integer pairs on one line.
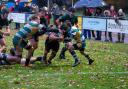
[[47, 14], [87, 32], [27, 8], [55, 12], [35, 8], [98, 14], [121, 16], [17, 10], [43, 20], [113, 14], [92, 14], [107, 15], [64, 11], [11, 9]]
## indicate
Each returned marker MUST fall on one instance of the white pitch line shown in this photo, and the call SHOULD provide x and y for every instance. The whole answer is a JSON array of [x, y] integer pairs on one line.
[[84, 73]]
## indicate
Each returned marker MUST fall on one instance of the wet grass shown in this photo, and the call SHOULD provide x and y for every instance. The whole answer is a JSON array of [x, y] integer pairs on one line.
[[109, 71]]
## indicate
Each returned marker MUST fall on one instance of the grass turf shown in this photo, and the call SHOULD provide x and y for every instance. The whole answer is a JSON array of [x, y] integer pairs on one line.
[[109, 71]]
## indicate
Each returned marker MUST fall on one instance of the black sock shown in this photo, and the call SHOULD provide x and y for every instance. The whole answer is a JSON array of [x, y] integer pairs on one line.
[[27, 61], [87, 56], [63, 51], [39, 58], [74, 55], [4, 57]]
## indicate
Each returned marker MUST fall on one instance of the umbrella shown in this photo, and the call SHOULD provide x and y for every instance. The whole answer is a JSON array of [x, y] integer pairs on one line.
[[89, 3], [10, 4], [24, 0], [21, 4]]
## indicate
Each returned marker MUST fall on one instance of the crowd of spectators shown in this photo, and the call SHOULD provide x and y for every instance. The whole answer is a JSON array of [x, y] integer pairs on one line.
[[107, 13]]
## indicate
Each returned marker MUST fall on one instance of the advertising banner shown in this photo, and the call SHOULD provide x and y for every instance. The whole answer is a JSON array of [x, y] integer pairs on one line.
[[94, 24], [17, 17], [120, 26]]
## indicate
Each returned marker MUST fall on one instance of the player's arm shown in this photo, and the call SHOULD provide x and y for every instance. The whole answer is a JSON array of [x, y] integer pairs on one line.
[[60, 38], [78, 39], [3, 46], [7, 31], [52, 36]]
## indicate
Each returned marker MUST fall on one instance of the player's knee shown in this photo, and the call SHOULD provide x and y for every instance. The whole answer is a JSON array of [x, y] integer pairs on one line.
[[28, 47], [45, 53], [70, 46], [35, 47]]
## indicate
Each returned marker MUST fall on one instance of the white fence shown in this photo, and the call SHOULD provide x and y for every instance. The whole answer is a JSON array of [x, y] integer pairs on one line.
[[19, 17], [100, 24], [109, 25]]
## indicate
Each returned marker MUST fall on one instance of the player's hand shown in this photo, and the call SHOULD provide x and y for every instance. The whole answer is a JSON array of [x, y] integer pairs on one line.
[[69, 45], [52, 37], [79, 45]]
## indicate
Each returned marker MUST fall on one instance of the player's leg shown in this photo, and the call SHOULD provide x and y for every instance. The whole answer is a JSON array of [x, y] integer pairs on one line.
[[54, 47], [34, 43], [31, 48], [18, 53], [62, 53], [81, 48], [18, 48], [53, 54], [73, 53], [8, 59], [90, 61], [44, 57], [29, 55]]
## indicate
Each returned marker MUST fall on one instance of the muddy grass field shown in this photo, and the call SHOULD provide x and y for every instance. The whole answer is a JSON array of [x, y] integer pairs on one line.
[[109, 71]]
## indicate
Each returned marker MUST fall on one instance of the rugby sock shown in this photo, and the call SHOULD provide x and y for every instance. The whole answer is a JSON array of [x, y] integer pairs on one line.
[[62, 54], [53, 54], [89, 59], [27, 61], [39, 59], [87, 56], [45, 59], [74, 55], [2, 62], [3, 56]]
